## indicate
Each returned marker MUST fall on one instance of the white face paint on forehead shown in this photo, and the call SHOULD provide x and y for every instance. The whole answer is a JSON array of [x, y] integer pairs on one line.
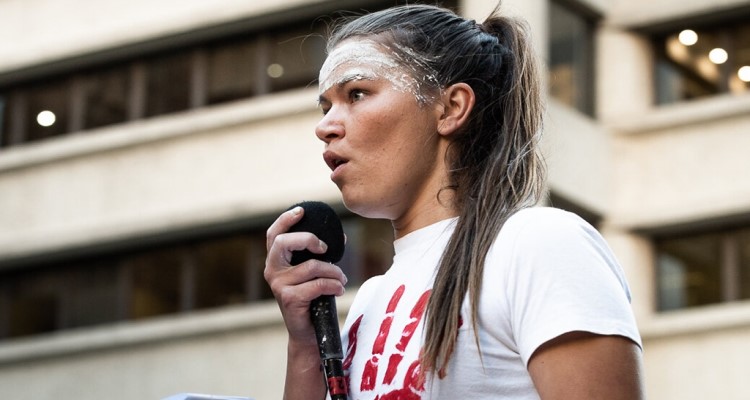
[[364, 59]]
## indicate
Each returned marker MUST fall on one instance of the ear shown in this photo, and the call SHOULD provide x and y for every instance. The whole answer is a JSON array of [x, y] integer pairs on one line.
[[457, 103]]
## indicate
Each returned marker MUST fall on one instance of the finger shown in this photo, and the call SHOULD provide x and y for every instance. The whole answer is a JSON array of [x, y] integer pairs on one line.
[[282, 224], [306, 292], [315, 269], [280, 278], [280, 252]]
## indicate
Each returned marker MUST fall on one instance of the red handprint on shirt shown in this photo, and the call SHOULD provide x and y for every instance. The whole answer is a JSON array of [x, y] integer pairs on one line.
[[412, 385]]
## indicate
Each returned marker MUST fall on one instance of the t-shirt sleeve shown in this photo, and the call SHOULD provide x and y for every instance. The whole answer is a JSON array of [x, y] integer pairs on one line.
[[564, 278]]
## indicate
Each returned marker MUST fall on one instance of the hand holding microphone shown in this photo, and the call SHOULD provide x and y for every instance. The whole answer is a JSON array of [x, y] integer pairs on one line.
[[321, 220]]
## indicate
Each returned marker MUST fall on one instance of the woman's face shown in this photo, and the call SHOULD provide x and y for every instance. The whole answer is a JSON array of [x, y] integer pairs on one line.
[[380, 132]]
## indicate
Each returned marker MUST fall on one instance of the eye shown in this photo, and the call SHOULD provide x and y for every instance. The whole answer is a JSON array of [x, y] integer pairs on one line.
[[356, 95], [324, 107]]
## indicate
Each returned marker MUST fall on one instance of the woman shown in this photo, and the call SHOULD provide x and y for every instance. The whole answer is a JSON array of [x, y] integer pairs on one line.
[[432, 122]]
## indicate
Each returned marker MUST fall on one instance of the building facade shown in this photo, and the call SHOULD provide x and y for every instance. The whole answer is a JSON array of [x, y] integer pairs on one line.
[[146, 147]]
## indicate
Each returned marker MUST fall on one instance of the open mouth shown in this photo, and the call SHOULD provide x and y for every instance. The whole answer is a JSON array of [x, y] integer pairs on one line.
[[333, 161]]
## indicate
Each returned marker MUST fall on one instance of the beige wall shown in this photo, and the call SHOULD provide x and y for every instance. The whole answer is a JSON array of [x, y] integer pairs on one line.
[[638, 165], [165, 173], [44, 30]]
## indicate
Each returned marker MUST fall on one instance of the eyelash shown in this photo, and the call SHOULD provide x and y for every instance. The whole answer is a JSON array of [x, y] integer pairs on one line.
[[353, 96]]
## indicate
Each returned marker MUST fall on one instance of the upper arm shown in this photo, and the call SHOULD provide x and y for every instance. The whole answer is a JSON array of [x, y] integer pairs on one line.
[[582, 365]]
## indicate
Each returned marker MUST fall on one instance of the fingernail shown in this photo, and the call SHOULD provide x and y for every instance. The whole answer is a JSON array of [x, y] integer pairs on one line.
[[297, 210], [323, 246]]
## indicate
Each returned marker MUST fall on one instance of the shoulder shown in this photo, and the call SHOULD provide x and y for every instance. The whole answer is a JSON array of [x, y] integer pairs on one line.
[[557, 244], [546, 228], [545, 221]]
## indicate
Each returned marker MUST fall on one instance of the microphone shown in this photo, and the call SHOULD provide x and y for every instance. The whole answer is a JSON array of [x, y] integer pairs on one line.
[[321, 220]]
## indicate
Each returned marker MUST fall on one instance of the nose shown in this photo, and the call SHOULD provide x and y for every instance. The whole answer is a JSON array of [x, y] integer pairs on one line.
[[330, 127]]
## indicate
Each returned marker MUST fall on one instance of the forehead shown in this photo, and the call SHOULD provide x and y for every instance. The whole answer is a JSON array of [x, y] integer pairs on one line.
[[366, 59], [358, 51], [355, 54]]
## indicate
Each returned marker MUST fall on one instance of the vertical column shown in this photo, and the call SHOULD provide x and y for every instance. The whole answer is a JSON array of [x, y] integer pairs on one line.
[[198, 78], [137, 96]]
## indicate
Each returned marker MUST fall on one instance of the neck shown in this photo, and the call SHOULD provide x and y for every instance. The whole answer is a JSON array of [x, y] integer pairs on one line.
[[434, 202], [440, 208]]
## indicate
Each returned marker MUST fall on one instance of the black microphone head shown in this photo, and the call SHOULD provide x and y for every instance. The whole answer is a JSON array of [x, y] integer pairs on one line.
[[321, 220]]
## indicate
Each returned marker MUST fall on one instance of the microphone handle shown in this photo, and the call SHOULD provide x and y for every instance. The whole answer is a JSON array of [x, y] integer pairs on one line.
[[325, 321], [335, 378]]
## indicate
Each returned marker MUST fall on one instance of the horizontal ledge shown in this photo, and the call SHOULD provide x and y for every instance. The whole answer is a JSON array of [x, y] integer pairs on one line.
[[158, 329], [159, 128], [682, 114], [696, 320]]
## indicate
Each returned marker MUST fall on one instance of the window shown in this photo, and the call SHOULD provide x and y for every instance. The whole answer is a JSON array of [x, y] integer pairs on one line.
[[696, 61], [570, 58], [105, 96], [295, 58], [701, 269], [168, 87], [178, 277], [206, 72], [233, 70], [46, 109]]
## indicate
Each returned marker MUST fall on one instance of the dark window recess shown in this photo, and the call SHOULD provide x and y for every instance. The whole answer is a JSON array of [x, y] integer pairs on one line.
[[695, 62], [47, 110], [206, 72], [156, 283], [233, 70], [106, 96], [703, 268], [295, 58], [4, 121], [689, 272], [200, 273], [168, 84], [222, 272], [571, 78]]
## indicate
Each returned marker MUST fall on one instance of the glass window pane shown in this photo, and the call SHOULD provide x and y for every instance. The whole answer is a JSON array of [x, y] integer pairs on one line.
[[91, 293], [233, 70], [739, 74], [106, 97], [702, 61], [689, 271], [570, 58], [168, 88], [295, 58], [220, 272], [155, 283], [33, 302], [4, 124], [47, 110], [369, 248], [744, 256]]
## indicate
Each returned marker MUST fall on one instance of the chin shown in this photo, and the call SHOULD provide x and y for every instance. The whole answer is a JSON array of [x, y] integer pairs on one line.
[[365, 206]]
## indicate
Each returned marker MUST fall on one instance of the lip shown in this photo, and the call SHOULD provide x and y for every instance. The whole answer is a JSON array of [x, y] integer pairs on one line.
[[334, 162]]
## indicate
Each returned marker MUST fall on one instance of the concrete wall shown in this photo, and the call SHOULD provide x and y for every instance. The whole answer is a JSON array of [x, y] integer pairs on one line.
[[234, 351], [641, 167], [165, 173], [46, 30]]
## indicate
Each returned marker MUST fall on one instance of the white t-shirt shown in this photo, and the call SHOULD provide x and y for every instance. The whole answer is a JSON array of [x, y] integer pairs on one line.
[[547, 273]]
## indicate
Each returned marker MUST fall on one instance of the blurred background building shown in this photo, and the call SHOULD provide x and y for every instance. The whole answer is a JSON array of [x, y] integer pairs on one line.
[[146, 146]]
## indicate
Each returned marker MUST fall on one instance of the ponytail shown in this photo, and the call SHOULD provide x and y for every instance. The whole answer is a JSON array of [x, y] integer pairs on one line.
[[507, 120]]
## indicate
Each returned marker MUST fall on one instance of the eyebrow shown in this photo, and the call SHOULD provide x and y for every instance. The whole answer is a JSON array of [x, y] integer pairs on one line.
[[346, 79], [355, 76]]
